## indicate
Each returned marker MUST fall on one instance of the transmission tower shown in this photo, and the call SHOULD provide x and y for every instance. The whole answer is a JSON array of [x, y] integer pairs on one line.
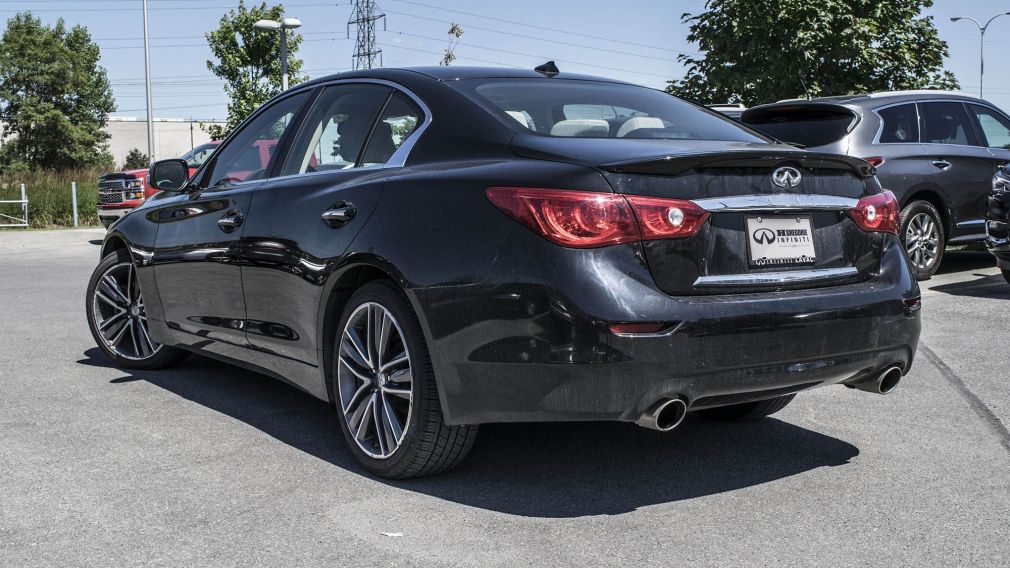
[[365, 14]]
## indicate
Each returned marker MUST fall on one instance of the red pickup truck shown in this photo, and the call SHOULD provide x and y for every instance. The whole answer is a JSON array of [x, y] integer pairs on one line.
[[120, 192]]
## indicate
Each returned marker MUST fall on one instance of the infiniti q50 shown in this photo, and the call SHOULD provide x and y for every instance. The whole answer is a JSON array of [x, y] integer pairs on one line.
[[432, 249]]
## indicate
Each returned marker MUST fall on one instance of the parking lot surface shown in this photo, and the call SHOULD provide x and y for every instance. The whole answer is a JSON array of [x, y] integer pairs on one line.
[[210, 465]]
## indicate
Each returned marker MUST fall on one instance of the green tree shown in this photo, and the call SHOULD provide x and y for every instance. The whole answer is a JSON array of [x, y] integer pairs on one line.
[[249, 61], [54, 97], [758, 51], [135, 160]]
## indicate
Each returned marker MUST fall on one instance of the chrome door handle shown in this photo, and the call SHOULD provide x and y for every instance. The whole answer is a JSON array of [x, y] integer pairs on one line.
[[338, 216], [231, 221], [942, 164]]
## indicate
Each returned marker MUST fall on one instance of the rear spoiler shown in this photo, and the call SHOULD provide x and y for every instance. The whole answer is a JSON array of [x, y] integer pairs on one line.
[[675, 165]]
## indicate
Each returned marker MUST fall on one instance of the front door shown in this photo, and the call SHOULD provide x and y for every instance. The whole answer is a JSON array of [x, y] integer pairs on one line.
[[995, 129], [199, 239]]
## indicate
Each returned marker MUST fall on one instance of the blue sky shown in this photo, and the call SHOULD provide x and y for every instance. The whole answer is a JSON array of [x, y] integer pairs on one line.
[[633, 40]]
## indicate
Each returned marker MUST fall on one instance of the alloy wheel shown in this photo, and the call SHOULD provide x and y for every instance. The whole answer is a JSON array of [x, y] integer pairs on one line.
[[374, 380], [922, 241], [119, 314]]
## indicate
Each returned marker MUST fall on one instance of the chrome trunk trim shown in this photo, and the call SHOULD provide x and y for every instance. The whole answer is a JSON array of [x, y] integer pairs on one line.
[[777, 278], [776, 202]]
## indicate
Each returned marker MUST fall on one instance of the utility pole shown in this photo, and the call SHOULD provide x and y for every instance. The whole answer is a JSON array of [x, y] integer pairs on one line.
[[365, 14], [147, 79]]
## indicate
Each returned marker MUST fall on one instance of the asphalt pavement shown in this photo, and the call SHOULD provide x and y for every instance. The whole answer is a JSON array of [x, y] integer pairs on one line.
[[210, 465]]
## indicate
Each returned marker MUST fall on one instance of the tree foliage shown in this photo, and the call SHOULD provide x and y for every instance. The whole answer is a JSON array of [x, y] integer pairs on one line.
[[249, 60], [136, 160], [758, 51], [455, 36], [54, 97]]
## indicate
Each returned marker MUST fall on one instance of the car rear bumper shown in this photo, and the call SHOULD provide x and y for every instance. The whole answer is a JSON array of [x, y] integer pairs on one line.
[[543, 352]]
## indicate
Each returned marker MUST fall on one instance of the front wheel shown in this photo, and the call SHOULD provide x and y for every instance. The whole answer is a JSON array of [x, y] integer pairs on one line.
[[922, 235], [118, 319], [385, 389]]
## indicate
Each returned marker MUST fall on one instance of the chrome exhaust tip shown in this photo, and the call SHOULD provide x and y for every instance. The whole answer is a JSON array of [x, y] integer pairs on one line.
[[664, 416], [885, 382]]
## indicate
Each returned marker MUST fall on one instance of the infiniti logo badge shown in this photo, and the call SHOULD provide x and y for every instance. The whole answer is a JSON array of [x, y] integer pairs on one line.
[[764, 236], [786, 177]]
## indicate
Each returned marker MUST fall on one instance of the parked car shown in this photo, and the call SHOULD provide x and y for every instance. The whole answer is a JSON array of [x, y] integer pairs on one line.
[[936, 151], [731, 110], [434, 248], [997, 222], [121, 192]]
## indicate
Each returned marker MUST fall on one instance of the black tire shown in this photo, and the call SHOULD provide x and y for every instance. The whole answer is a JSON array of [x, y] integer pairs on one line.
[[428, 445], [922, 268], [748, 410], [157, 357], [1006, 275]]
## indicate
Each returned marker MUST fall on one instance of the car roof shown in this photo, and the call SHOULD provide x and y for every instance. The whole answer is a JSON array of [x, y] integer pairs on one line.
[[455, 73], [877, 99]]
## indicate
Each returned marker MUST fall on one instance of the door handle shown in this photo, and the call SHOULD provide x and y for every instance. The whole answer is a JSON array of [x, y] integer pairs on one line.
[[942, 164], [338, 216], [231, 221]]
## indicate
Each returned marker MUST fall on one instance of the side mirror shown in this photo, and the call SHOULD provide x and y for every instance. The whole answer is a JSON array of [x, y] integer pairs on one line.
[[168, 175]]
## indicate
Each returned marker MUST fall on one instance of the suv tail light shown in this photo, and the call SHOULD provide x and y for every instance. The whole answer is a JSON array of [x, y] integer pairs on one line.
[[878, 213], [875, 161], [584, 219]]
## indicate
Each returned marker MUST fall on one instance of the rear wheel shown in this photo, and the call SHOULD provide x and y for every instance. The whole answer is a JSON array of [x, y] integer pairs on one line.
[[922, 235], [747, 410], [385, 386], [117, 317]]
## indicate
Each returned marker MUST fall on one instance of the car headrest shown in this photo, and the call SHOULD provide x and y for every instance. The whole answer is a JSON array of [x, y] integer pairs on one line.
[[637, 122], [581, 127]]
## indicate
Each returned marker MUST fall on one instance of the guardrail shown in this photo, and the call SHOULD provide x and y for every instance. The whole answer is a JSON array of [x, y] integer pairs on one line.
[[22, 221]]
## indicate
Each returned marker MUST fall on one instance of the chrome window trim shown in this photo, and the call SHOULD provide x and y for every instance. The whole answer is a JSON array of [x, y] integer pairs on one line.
[[776, 202], [776, 278]]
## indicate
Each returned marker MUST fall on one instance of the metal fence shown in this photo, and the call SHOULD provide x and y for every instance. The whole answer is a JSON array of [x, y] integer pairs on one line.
[[21, 221]]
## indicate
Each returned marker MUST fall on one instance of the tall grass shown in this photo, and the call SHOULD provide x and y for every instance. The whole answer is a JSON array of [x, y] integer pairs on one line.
[[49, 201]]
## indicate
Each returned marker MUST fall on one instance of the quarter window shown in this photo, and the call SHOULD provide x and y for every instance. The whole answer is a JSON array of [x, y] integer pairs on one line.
[[249, 155], [946, 123], [901, 124], [995, 127], [398, 121], [336, 129]]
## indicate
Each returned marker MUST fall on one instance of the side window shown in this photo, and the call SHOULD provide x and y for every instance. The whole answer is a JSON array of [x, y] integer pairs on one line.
[[399, 120], [994, 125], [946, 123], [901, 124], [335, 129], [249, 154]]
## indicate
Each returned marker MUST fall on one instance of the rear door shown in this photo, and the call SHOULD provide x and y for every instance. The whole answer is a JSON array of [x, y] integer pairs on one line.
[[305, 220], [962, 166]]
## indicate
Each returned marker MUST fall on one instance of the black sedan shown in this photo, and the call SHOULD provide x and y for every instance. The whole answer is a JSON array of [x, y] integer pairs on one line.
[[435, 248]]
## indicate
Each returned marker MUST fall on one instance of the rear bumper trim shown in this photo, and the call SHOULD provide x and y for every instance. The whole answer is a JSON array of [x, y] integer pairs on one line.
[[777, 202], [770, 278]]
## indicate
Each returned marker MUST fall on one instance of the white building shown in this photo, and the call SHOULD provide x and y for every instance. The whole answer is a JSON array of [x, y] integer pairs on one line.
[[173, 137]]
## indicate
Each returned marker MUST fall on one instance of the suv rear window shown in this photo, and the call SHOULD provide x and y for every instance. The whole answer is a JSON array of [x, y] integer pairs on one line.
[[589, 109], [807, 125]]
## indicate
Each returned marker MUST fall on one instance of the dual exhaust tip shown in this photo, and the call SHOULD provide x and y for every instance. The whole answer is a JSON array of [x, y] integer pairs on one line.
[[664, 416], [884, 383]]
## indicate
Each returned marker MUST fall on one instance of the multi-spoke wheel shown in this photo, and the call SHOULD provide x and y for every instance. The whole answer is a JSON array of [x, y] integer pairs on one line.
[[385, 389], [922, 235], [118, 318]]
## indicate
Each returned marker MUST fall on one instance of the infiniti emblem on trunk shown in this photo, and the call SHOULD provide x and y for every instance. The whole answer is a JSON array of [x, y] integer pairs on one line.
[[786, 177]]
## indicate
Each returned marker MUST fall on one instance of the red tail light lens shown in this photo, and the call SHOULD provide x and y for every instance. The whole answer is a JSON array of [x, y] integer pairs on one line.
[[878, 213], [578, 219], [584, 219], [875, 161]]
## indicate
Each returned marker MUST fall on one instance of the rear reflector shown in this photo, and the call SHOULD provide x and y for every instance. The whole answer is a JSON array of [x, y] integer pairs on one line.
[[877, 213], [635, 328], [584, 219], [912, 303], [875, 161]]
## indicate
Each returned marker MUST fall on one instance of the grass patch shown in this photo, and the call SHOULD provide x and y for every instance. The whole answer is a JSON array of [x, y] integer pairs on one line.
[[49, 200]]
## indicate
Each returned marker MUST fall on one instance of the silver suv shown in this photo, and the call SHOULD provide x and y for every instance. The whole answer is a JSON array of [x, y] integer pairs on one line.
[[937, 151]]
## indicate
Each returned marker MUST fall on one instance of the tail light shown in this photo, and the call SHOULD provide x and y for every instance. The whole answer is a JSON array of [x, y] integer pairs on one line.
[[584, 219], [875, 161], [878, 213]]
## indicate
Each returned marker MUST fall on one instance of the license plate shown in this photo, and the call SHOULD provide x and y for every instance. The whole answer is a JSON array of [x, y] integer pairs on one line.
[[780, 241]]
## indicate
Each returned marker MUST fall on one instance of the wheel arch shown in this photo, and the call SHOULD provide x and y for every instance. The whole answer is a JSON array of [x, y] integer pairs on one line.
[[112, 243], [934, 199]]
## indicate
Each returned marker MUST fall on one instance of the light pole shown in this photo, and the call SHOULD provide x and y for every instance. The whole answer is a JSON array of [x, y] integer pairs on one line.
[[147, 90], [283, 26], [981, 28]]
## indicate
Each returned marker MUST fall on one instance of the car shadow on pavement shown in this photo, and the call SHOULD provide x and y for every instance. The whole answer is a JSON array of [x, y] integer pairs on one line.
[[961, 260], [540, 470]]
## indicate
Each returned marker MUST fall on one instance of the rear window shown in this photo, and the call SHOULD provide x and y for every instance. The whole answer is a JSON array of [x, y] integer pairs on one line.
[[588, 109], [807, 125]]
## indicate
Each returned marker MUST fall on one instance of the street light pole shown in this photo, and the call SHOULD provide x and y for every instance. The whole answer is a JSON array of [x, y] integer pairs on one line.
[[147, 81], [283, 27], [982, 29]]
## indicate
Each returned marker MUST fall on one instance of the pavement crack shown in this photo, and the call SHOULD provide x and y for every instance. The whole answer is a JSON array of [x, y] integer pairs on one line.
[[980, 408]]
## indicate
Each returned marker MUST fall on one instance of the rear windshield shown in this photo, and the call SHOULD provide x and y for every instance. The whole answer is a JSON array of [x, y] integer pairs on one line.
[[589, 109], [809, 126]]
